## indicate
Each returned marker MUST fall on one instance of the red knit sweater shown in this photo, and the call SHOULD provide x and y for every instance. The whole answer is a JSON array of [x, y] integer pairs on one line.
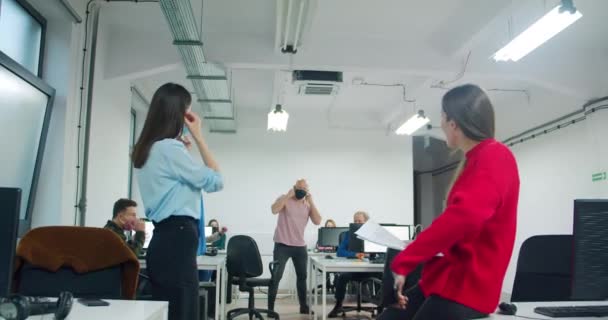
[[475, 233]]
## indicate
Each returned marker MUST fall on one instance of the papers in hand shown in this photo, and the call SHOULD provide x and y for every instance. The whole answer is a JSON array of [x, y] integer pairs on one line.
[[375, 233]]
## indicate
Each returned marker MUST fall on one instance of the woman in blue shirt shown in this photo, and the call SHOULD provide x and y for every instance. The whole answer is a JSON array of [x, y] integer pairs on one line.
[[170, 182]]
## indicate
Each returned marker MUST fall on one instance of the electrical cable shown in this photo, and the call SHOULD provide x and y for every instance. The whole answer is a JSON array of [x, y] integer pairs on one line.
[[82, 88], [511, 142], [79, 126], [442, 84]]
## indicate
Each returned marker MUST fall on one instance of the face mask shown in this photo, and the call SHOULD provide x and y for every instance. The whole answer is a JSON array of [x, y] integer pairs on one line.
[[185, 131], [300, 194]]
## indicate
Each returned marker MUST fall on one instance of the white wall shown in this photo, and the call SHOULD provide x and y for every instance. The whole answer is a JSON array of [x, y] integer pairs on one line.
[[346, 171], [109, 141], [554, 170]]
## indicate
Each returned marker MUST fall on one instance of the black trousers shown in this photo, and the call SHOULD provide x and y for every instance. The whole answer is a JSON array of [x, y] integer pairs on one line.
[[171, 264], [343, 279], [299, 256], [431, 308]]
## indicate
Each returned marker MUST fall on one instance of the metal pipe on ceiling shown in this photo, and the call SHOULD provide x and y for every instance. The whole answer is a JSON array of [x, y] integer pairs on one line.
[[287, 25], [298, 26], [209, 81]]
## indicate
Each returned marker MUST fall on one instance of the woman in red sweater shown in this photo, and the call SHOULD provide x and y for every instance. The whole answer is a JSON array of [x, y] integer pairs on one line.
[[467, 249]]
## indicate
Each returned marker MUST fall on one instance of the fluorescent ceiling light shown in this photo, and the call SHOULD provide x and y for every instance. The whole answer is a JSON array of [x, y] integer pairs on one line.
[[414, 123], [542, 30], [277, 119]]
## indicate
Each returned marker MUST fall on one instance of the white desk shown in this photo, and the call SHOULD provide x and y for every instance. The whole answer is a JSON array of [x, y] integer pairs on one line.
[[525, 310], [117, 310], [218, 264], [324, 266]]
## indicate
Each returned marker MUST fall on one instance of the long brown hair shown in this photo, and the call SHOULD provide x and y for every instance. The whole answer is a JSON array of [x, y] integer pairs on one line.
[[469, 106], [165, 119]]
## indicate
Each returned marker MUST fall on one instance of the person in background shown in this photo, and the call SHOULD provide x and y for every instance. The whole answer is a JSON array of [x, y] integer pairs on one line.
[[330, 223], [476, 231], [294, 210], [170, 181], [124, 219], [360, 217], [218, 239]]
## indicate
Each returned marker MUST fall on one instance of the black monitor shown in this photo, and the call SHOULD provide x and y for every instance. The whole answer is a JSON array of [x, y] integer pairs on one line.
[[590, 267], [354, 244], [10, 204], [330, 237]]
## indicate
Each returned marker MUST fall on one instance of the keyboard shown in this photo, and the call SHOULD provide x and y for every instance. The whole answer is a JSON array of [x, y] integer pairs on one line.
[[377, 261], [573, 311]]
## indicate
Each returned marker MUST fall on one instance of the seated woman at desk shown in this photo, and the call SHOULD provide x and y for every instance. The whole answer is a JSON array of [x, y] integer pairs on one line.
[[217, 239], [476, 231], [343, 278], [330, 223]]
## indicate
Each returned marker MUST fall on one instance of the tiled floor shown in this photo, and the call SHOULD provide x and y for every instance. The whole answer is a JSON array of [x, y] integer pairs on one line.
[[289, 309]]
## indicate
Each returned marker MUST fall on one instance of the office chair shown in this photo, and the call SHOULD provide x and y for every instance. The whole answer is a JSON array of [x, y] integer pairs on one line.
[[388, 281], [88, 262], [359, 284], [244, 265], [544, 269]]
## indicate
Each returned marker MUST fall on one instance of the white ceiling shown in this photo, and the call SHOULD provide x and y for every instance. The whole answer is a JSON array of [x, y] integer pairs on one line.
[[417, 43]]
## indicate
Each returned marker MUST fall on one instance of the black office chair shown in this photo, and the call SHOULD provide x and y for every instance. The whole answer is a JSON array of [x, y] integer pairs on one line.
[[388, 296], [50, 260], [35, 281], [359, 285], [244, 265], [544, 269]]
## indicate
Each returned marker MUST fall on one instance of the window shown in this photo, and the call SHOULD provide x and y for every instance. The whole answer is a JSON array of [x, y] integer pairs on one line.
[[22, 34], [25, 112], [132, 134]]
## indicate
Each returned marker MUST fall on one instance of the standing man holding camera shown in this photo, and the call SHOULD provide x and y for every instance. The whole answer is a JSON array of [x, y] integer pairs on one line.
[[294, 210]]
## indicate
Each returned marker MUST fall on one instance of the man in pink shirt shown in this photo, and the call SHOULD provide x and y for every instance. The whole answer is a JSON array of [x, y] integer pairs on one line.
[[294, 209]]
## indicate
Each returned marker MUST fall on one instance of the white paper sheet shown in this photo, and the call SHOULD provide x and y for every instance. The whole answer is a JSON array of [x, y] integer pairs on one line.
[[375, 233]]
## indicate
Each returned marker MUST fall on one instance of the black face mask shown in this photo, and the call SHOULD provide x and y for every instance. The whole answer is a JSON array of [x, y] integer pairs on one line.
[[300, 194]]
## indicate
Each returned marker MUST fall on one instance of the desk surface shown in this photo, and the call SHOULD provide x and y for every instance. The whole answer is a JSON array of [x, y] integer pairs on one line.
[[526, 309], [343, 264], [214, 261], [117, 310], [202, 262]]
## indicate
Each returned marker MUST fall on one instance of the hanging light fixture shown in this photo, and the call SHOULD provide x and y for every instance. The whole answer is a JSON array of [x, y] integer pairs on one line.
[[542, 30], [414, 123], [277, 119]]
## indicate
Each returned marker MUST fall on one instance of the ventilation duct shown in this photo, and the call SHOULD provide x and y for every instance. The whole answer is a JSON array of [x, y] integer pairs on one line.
[[321, 83], [210, 81]]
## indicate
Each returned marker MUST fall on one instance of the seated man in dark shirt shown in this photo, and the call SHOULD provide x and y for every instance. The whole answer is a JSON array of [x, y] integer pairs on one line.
[[124, 218]]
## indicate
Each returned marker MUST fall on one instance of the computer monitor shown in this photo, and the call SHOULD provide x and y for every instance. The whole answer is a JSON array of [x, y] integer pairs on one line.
[[208, 231], [10, 204], [149, 232], [330, 237], [354, 243], [590, 267], [401, 232]]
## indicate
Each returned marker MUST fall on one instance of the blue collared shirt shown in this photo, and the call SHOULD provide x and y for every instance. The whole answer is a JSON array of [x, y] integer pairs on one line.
[[170, 182], [343, 248]]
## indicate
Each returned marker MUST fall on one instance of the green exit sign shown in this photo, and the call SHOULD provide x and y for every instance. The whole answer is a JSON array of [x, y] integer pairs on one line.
[[600, 176]]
